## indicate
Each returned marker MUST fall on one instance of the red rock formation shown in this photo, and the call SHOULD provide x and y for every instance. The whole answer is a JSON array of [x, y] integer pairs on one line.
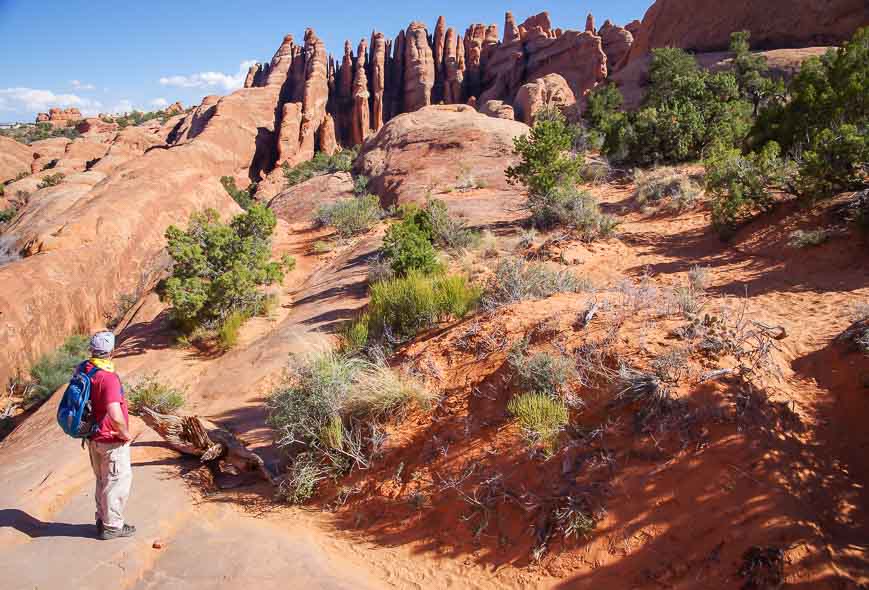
[[550, 90], [419, 72], [378, 79], [251, 75], [454, 68], [474, 37], [497, 109], [361, 109], [316, 93], [95, 125], [176, 108], [589, 24], [15, 158], [288, 134], [705, 25], [439, 40], [511, 31], [281, 63], [616, 43], [328, 142], [395, 92], [578, 57], [59, 117]]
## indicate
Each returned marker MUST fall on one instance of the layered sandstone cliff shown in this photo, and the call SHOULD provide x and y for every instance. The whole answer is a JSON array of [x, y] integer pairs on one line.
[[705, 25]]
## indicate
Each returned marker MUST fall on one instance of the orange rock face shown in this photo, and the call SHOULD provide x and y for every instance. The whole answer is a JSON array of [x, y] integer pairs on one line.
[[59, 117], [551, 89], [705, 25], [419, 69]]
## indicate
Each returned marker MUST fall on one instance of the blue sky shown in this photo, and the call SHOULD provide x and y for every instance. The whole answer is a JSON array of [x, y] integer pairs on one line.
[[109, 56]]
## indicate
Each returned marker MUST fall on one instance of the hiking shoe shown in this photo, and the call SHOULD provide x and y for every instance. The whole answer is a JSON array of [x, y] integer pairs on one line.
[[127, 530], [100, 526]]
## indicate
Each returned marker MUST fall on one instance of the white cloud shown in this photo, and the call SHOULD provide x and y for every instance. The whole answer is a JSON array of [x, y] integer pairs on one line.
[[125, 105], [160, 102], [229, 82], [79, 85], [35, 100]]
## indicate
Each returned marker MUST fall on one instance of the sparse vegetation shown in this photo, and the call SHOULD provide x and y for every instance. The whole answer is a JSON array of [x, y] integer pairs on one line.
[[667, 187], [542, 372], [401, 307], [350, 217], [322, 247], [328, 412], [50, 180], [802, 238], [740, 185], [55, 369], [227, 332], [244, 198], [321, 163], [567, 206], [547, 156], [516, 280], [541, 417], [151, 392], [407, 247], [218, 268], [27, 134]]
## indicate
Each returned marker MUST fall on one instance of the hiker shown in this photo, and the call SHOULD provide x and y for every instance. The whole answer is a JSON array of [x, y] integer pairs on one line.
[[109, 445]]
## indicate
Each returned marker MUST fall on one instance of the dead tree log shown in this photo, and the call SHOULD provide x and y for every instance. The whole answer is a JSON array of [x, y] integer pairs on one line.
[[190, 435]]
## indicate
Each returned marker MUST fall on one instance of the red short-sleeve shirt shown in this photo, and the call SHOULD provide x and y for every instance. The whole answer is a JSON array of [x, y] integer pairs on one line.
[[106, 389]]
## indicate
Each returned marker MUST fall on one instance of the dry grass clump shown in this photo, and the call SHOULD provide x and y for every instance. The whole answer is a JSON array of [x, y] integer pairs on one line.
[[543, 371], [516, 280], [666, 186], [329, 411], [808, 238], [541, 417], [152, 393]]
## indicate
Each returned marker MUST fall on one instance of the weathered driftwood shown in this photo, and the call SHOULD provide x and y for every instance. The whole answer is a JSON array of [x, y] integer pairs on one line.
[[191, 436]]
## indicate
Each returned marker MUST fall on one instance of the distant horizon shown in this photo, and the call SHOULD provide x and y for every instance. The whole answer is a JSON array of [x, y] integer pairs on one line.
[[146, 57]]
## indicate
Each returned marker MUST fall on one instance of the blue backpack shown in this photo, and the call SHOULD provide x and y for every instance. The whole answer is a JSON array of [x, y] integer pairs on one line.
[[74, 412]]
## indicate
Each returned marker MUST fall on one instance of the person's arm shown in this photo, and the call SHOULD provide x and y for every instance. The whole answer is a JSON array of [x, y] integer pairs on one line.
[[116, 415]]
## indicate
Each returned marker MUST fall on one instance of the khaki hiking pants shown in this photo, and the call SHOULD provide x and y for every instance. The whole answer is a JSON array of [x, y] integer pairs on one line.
[[111, 465]]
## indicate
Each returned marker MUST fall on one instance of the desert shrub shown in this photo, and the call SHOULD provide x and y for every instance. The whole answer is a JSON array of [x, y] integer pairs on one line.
[[542, 372], [698, 278], [324, 408], [834, 160], [654, 187], [541, 417], [567, 206], [154, 394], [303, 476], [379, 269], [401, 307], [822, 120], [443, 229], [244, 198], [527, 237], [407, 247], [740, 184], [50, 180], [360, 185], [602, 110], [350, 217], [55, 368], [546, 154], [354, 334], [320, 164], [516, 280], [227, 332], [27, 134], [218, 268], [686, 109], [322, 247], [808, 238], [750, 70], [7, 214]]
